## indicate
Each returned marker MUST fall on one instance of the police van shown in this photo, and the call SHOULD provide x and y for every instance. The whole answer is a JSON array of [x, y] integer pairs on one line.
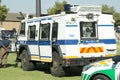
[[73, 38]]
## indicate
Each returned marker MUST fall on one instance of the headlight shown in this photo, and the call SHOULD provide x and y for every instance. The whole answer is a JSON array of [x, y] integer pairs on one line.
[[87, 67]]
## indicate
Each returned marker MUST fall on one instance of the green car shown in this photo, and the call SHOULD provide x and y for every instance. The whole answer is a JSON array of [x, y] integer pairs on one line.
[[108, 69]]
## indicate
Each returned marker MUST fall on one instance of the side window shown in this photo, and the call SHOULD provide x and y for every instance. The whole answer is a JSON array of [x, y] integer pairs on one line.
[[32, 32], [54, 30], [22, 29], [88, 30], [45, 31]]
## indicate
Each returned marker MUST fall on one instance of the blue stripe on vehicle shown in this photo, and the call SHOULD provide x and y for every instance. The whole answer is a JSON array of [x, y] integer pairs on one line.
[[44, 43], [34, 54], [38, 20], [49, 18], [30, 22], [107, 25], [32, 42], [71, 25], [68, 42], [108, 41], [43, 19]]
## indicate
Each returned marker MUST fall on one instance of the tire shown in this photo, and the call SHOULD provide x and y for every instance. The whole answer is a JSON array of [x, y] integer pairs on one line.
[[100, 77], [26, 64], [56, 69]]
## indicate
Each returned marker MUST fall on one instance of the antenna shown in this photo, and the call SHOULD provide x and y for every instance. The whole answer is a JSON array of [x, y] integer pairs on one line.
[[23, 17]]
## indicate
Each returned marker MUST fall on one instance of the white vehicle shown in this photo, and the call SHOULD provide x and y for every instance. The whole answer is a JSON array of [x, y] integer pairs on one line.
[[1, 28], [64, 40], [103, 70]]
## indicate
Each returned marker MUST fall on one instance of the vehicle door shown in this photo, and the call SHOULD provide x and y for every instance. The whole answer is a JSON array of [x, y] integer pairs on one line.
[[32, 40], [45, 44], [117, 71], [89, 39]]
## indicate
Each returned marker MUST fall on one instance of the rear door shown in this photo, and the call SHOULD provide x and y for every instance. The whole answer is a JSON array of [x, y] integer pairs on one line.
[[89, 45]]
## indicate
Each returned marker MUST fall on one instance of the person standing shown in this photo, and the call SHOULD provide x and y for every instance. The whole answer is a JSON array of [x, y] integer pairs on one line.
[[4, 51]]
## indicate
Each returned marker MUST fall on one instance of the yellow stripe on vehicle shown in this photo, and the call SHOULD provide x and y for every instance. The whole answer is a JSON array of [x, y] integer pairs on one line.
[[110, 55], [36, 58], [41, 59], [71, 57], [46, 59]]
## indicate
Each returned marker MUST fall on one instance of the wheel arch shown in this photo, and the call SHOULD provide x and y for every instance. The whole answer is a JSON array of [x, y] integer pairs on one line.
[[100, 74], [24, 47], [58, 50]]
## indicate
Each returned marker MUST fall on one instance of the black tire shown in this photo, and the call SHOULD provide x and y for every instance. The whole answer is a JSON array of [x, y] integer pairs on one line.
[[100, 77], [56, 69], [26, 64]]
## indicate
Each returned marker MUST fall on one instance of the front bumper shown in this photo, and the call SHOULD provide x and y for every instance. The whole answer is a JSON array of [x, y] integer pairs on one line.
[[85, 76]]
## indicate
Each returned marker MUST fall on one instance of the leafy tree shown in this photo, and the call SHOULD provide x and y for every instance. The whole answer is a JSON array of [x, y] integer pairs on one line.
[[107, 9], [58, 7], [116, 15], [3, 11], [117, 19]]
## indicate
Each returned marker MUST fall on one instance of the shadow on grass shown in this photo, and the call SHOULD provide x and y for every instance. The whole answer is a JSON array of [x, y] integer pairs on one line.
[[71, 71], [11, 65]]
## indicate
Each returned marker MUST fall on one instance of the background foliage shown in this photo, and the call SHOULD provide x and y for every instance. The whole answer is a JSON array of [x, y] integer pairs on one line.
[[58, 7], [3, 11]]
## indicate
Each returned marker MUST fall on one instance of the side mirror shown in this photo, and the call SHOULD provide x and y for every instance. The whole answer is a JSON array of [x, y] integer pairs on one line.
[[116, 59]]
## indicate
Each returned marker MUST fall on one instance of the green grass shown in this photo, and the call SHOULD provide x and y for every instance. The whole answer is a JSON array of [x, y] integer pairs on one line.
[[118, 48], [12, 73]]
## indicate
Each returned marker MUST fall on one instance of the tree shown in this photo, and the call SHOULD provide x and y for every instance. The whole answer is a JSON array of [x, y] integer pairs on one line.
[[107, 9], [117, 19], [58, 7], [116, 15], [3, 11], [111, 10]]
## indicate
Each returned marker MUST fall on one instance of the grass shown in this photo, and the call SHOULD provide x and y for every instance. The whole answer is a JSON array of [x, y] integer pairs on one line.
[[12, 73], [118, 48]]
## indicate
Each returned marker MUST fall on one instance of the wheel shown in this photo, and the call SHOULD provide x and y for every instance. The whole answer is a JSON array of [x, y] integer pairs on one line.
[[100, 77], [26, 64], [56, 69]]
